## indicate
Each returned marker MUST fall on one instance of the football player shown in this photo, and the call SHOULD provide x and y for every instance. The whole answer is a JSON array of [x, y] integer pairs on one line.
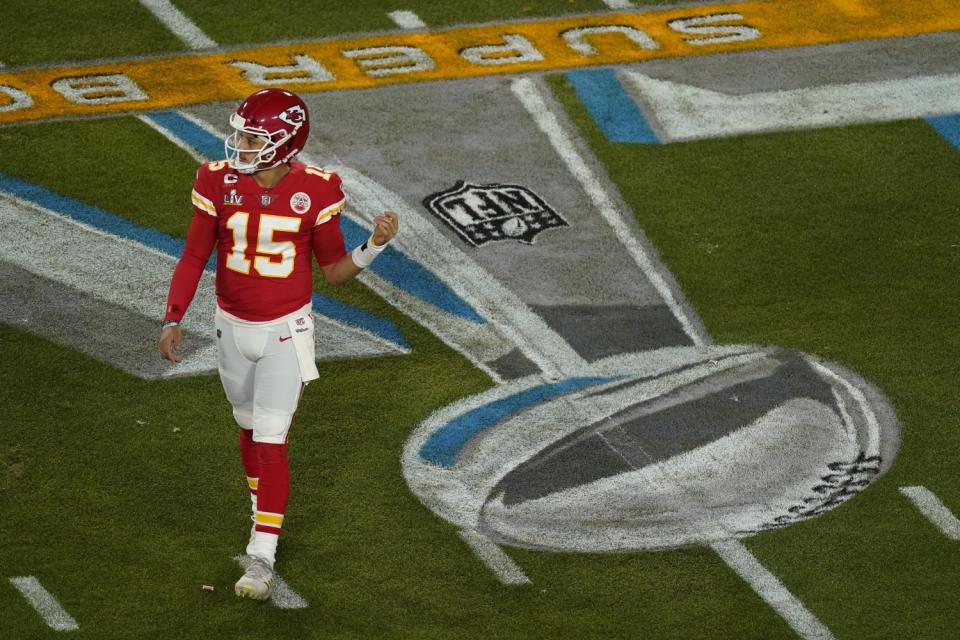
[[266, 215]]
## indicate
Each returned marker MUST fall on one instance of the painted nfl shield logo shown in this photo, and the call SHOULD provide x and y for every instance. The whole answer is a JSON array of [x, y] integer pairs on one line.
[[490, 212]]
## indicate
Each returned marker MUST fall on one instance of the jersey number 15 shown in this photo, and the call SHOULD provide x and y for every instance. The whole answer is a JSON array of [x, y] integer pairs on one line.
[[263, 263]]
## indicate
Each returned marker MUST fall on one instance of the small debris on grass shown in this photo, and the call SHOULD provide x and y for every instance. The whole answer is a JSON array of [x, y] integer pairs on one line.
[[208, 587], [176, 429], [141, 422]]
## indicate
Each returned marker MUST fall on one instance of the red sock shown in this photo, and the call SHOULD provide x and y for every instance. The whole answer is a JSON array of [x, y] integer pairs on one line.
[[251, 463], [274, 487]]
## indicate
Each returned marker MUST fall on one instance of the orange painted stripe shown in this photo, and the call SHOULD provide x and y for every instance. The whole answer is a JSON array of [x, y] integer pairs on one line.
[[184, 79]]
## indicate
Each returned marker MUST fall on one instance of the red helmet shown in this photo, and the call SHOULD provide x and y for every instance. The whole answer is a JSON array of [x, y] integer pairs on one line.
[[279, 118]]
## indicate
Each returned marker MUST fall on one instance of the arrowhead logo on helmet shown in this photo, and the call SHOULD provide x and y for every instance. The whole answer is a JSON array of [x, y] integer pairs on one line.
[[294, 115], [278, 119]]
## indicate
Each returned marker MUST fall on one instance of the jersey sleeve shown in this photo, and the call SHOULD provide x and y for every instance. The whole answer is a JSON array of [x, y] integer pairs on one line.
[[204, 195], [327, 241], [201, 237], [333, 199]]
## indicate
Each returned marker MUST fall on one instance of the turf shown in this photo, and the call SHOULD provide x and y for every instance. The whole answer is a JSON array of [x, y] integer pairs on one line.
[[45, 31], [841, 243], [249, 21], [155, 513], [49, 31]]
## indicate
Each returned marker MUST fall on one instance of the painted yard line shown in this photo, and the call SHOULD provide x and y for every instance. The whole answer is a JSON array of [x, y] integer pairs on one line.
[[689, 113], [502, 565], [511, 322], [134, 276], [152, 122], [769, 587], [184, 130], [46, 605], [485, 320], [407, 20], [205, 144], [526, 90], [508, 322], [732, 552], [935, 511], [152, 255], [181, 26], [397, 271], [282, 596], [162, 82]]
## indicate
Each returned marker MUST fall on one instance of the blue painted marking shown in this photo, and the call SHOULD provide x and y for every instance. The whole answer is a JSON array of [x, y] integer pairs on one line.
[[612, 108], [409, 275], [92, 216], [948, 127], [396, 268], [333, 308], [118, 226], [444, 444], [201, 140]]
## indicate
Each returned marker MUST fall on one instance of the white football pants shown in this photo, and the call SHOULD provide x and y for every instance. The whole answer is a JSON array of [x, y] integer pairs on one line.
[[262, 372]]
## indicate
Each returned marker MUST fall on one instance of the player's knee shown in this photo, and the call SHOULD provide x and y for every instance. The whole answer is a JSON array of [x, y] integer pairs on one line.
[[271, 428], [244, 417]]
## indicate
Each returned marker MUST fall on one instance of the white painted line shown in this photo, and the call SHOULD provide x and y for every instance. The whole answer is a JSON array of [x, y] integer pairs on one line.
[[618, 4], [849, 426], [169, 135], [935, 511], [282, 596], [685, 112], [532, 100], [407, 20], [510, 321], [873, 425], [502, 565], [769, 587], [286, 598], [135, 277], [46, 605], [327, 346], [181, 26]]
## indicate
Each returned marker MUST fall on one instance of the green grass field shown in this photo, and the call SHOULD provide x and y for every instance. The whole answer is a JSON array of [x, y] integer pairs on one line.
[[838, 242]]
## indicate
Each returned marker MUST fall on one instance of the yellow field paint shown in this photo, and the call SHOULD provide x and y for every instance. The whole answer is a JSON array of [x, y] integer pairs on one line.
[[516, 47]]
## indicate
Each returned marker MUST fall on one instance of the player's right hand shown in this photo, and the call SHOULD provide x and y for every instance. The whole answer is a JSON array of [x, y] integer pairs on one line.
[[170, 340]]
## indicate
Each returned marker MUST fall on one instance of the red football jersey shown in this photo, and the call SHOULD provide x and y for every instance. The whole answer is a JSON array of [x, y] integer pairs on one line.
[[264, 239]]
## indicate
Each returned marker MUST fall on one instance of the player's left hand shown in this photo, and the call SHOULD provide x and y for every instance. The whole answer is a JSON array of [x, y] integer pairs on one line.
[[385, 227]]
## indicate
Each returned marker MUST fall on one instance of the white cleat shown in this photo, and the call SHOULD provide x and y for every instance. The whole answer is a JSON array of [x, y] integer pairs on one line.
[[257, 582]]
